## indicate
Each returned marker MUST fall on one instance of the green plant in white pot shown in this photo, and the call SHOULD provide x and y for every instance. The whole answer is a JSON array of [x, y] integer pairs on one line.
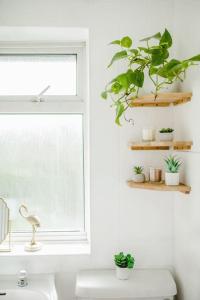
[[124, 265], [172, 176], [138, 175], [166, 134]]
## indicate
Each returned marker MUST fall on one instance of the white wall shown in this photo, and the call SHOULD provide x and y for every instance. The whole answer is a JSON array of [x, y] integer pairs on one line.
[[121, 218], [186, 212]]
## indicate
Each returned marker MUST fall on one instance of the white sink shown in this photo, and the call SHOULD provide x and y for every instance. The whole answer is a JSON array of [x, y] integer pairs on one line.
[[40, 287]]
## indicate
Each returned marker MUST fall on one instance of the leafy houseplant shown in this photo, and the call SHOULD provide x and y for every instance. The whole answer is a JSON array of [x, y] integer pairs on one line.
[[138, 174], [124, 265], [166, 130], [166, 134], [151, 60], [172, 170]]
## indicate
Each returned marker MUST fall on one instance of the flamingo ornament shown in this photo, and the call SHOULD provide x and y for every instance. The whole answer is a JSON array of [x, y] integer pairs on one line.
[[35, 223]]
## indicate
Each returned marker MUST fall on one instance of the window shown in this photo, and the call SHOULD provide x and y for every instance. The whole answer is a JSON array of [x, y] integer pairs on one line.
[[29, 74], [43, 146], [25, 72]]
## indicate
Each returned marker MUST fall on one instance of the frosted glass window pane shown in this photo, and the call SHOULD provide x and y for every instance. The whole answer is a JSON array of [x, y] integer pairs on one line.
[[41, 166], [30, 74]]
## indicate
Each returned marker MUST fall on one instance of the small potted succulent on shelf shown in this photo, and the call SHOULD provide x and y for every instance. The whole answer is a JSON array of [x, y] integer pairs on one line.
[[166, 134], [138, 175], [172, 176], [124, 265]]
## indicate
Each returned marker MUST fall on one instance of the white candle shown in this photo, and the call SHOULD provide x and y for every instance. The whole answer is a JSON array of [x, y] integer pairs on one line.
[[148, 134]]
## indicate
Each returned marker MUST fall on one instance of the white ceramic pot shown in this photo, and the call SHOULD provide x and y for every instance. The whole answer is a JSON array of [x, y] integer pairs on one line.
[[172, 178], [123, 273], [138, 178], [166, 136]]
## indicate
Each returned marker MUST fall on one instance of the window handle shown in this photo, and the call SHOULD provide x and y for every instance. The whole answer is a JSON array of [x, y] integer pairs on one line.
[[38, 98]]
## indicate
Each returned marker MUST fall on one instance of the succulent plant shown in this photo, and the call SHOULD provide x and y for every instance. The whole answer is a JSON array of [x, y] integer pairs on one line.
[[124, 261], [166, 130], [138, 170], [172, 164]]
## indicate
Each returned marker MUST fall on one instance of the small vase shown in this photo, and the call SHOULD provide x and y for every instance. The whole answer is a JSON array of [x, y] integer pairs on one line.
[[172, 178], [123, 273], [166, 136], [138, 178]]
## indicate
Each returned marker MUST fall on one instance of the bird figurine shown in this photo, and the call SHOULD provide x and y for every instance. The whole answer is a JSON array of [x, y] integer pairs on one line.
[[35, 223]]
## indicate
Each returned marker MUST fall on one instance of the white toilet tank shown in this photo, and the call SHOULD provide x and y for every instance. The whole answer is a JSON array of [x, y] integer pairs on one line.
[[144, 284]]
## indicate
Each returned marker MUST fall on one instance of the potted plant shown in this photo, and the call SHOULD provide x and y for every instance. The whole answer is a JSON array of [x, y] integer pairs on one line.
[[166, 134], [124, 265], [150, 61], [172, 170], [138, 175]]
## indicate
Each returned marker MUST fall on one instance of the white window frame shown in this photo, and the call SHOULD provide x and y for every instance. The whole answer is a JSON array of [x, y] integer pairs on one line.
[[77, 49], [63, 104]]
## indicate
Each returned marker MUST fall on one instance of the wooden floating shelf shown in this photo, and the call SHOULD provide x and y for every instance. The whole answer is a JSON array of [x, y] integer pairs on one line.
[[156, 145], [160, 186], [162, 100]]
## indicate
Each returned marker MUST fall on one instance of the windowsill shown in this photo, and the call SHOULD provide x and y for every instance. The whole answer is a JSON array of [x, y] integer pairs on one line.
[[50, 249]]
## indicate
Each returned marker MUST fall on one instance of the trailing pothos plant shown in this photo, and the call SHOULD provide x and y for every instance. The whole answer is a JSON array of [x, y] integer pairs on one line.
[[151, 60]]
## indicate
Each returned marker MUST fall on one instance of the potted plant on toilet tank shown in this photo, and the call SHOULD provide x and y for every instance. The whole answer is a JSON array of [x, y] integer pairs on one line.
[[173, 165], [124, 265], [149, 61]]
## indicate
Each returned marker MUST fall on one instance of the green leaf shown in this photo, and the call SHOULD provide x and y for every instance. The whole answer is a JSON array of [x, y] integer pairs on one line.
[[126, 42], [172, 63], [118, 56], [139, 61], [104, 95], [137, 78], [194, 58], [159, 56], [119, 111], [116, 42], [130, 76], [156, 36], [122, 79], [153, 70], [146, 50], [171, 69], [134, 51], [185, 64], [116, 88], [166, 39]]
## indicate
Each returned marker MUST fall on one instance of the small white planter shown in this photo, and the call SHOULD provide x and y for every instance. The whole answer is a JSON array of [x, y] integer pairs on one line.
[[166, 136], [138, 178], [172, 178], [123, 273]]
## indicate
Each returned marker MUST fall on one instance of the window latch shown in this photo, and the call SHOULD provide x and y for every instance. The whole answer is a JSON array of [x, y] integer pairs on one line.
[[39, 98]]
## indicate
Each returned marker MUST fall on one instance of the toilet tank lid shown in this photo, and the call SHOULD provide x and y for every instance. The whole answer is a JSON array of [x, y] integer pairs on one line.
[[144, 283]]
